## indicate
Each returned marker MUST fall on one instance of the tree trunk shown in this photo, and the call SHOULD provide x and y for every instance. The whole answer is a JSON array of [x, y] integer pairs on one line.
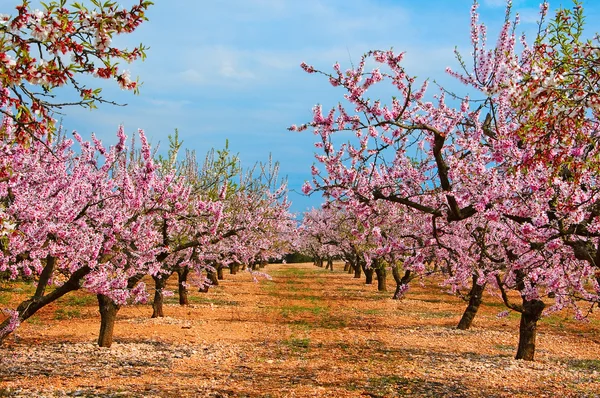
[[160, 282], [219, 272], [182, 274], [368, 275], [357, 270], [381, 279], [212, 276], [329, 263], [532, 312], [108, 315], [475, 297], [346, 266], [234, 268], [401, 282], [30, 306]]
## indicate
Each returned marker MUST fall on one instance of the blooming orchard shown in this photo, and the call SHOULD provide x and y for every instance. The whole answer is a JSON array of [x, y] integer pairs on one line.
[[77, 215], [501, 190]]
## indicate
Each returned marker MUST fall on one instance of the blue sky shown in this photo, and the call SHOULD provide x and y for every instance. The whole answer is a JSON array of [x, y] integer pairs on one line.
[[229, 69]]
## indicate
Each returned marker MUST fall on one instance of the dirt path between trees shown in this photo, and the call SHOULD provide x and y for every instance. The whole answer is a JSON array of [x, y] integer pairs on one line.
[[307, 333]]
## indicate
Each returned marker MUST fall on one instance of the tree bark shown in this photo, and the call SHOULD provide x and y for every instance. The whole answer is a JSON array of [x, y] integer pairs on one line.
[[160, 281], [108, 315], [368, 275], [234, 268], [219, 272], [532, 312], [381, 279], [212, 276], [346, 266], [475, 297], [182, 274], [329, 263], [45, 276], [357, 269], [30, 306], [401, 282]]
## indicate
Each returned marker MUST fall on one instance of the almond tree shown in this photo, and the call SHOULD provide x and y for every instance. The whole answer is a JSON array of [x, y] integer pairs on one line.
[[487, 203]]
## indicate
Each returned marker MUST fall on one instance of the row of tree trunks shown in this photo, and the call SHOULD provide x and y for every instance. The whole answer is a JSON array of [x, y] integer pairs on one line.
[[531, 309], [329, 264]]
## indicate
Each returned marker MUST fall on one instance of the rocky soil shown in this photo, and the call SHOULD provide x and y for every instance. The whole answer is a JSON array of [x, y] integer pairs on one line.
[[308, 332]]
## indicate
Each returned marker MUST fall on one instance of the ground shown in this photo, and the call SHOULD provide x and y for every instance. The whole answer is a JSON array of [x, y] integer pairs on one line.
[[307, 333]]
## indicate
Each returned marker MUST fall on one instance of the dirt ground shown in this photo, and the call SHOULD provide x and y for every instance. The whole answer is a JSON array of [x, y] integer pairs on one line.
[[307, 333]]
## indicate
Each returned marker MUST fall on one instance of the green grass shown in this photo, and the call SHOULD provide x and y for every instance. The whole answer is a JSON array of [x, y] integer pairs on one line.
[[301, 324], [495, 304], [27, 288], [34, 320], [80, 301], [4, 299], [288, 310], [298, 344], [62, 314], [333, 323], [299, 272]]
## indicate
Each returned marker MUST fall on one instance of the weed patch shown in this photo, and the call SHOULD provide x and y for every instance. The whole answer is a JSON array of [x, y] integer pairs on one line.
[[286, 311], [80, 301], [62, 314], [298, 344]]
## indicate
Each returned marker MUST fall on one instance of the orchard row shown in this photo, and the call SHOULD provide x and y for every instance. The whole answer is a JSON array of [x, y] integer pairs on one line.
[[76, 214], [495, 188]]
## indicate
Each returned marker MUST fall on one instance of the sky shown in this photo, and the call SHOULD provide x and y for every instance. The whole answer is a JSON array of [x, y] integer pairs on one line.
[[230, 69]]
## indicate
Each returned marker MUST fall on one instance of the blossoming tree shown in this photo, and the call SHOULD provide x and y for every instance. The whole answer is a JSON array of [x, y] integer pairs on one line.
[[490, 203], [42, 50]]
